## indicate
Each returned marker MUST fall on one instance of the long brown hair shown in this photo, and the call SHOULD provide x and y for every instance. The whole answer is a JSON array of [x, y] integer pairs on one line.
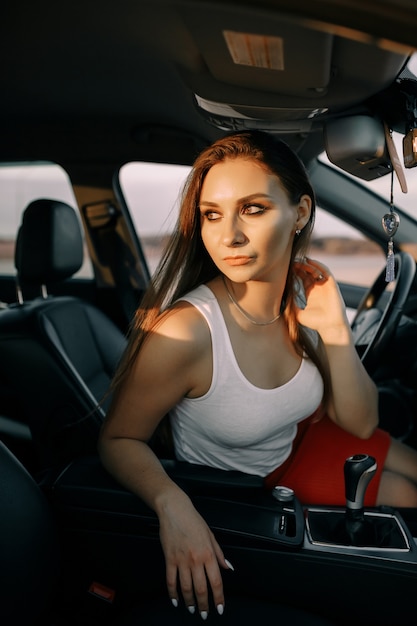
[[186, 264]]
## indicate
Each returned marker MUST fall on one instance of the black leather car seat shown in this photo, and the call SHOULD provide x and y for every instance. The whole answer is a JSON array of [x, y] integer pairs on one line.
[[58, 354], [29, 551], [36, 588]]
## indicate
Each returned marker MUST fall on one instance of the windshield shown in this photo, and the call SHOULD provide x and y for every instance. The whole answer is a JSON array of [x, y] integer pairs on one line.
[[407, 202]]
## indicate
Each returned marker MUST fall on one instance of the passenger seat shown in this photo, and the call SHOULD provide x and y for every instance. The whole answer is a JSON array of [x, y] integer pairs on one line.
[[58, 353]]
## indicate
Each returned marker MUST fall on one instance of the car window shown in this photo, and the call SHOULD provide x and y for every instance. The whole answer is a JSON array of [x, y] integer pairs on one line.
[[152, 191], [352, 257], [19, 185]]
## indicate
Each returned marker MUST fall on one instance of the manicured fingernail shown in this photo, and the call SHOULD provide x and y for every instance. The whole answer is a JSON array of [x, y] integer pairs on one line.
[[229, 565], [191, 609], [174, 602], [203, 614], [220, 609]]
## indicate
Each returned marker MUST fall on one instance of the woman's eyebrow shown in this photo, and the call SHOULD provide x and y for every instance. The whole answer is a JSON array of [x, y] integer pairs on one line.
[[243, 200], [253, 196], [207, 203]]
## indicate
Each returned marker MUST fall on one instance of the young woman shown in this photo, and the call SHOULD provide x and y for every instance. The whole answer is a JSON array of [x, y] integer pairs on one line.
[[245, 343]]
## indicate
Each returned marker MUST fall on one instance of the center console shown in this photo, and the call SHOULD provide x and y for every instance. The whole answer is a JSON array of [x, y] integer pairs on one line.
[[381, 533], [307, 556]]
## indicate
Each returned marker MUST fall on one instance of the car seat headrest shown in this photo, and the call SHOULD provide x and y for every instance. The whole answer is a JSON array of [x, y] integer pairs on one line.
[[49, 245]]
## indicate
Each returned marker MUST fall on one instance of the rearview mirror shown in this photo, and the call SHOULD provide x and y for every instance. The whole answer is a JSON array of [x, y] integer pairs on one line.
[[357, 145]]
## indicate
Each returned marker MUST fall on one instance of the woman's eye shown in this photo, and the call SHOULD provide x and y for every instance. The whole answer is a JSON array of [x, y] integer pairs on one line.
[[254, 209], [211, 216]]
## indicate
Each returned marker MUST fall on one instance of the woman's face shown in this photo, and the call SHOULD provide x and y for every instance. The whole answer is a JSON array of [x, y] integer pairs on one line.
[[247, 221]]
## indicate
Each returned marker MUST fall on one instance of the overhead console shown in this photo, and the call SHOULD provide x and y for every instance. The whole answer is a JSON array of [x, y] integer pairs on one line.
[[272, 70]]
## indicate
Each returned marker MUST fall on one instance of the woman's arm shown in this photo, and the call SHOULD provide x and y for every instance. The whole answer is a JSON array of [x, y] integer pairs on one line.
[[354, 397], [168, 367]]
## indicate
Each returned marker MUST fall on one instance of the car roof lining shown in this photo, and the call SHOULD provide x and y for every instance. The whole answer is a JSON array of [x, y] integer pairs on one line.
[[78, 97]]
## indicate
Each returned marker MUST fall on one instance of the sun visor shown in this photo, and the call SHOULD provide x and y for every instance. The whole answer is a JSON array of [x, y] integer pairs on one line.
[[357, 144]]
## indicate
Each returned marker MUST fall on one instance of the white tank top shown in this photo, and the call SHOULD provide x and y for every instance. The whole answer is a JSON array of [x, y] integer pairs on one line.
[[236, 425]]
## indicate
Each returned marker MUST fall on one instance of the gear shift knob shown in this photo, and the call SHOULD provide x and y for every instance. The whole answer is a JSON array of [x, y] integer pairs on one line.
[[359, 469]]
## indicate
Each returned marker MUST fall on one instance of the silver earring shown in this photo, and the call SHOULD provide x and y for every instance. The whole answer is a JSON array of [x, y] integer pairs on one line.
[[298, 231]]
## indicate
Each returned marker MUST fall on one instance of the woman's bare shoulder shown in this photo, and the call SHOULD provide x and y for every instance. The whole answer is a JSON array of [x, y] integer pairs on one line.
[[172, 353], [184, 325]]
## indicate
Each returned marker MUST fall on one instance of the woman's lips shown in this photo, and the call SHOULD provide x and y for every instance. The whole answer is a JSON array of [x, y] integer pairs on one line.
[[237, 260]]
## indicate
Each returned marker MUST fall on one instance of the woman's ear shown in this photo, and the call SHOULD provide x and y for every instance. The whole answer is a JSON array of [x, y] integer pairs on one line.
[[303, 211]]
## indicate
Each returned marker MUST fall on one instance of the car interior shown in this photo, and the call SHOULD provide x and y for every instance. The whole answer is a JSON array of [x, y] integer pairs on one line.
[[94, 88]]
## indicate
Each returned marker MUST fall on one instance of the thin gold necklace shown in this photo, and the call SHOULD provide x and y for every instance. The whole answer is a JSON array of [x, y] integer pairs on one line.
[[245, 315]]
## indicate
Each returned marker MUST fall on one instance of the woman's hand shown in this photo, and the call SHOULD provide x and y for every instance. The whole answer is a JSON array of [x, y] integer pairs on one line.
[[325, 309], [353, 395], [192, 557]]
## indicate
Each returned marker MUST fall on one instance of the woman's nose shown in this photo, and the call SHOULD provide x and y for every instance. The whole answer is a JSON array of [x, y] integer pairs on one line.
[[232, 234]]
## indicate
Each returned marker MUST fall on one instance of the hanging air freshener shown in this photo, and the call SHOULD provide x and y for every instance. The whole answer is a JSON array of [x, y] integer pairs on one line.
[[390, 223], [391, 220]]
